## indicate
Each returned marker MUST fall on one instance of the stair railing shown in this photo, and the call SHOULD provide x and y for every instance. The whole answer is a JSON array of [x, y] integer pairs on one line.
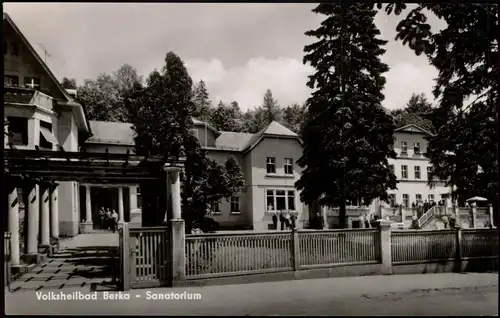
[[426, 217]]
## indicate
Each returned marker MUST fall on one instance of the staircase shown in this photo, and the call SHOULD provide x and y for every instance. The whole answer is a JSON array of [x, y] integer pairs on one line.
[[426, 220]]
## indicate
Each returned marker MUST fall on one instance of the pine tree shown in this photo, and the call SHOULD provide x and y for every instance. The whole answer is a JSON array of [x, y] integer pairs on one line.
[[271, 107], [222, 118], [348, 135], [416, 111], [162, 119], [202, 101]]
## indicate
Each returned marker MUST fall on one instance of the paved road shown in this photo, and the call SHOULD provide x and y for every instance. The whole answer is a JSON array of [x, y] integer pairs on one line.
[[429, 294]]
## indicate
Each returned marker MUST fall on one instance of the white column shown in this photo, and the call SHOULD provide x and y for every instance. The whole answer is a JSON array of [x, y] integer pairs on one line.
[[88, 205], [490, 212], [44, 215], [175, 184], [120, 205], [54, 212], [31, 210], [132, 192], [14, 226]]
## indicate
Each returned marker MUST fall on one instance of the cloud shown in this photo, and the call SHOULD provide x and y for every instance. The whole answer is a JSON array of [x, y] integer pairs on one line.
[[246, 84], [404, 79]]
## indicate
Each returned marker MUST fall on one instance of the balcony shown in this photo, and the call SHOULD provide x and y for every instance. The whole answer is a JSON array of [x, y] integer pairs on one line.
[[27, 96]]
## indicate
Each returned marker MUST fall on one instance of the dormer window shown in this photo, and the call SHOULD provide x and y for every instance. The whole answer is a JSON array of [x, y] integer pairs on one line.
[[416, 148], [404, 148]]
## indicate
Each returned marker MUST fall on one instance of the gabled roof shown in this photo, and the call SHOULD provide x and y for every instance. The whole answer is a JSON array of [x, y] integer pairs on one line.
[[412, 128], [68, 99], [111, 133], [274, 130], [199, 123]]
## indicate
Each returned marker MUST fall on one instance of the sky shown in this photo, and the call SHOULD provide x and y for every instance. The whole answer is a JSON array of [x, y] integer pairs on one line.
[[238, 49]]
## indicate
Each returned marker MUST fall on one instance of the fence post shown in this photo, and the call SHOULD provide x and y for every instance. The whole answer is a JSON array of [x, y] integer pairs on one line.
[[458, 253], [125, 261], [177, 245], [473, 212], [385, 246], [490, 212], [295, 249]]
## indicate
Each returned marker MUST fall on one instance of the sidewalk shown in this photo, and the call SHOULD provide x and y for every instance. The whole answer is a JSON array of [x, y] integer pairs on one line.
[[428, 294]]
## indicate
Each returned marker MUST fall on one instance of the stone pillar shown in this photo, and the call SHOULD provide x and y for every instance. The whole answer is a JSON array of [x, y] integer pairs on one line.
[[13, 202], [490, 212], [473, 212], [54, 212], [385, 245], [325, 218], [88, 225], [177, 245], [175, 184], [31, 206], [44, 216], [120, 206]]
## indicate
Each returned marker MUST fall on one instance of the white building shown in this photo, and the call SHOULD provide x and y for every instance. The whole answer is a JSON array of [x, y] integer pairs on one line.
[[412, 169]]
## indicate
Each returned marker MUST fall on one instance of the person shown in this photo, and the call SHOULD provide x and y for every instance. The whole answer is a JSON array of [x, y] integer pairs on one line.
[[287, 220], [102, 214], [367, 222], [275, 222], [114, 218], [282, 221], [107, 220]]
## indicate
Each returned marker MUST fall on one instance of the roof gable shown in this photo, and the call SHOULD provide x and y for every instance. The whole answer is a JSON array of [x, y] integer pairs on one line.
[[412, 128], [63, 94], [273, 130]]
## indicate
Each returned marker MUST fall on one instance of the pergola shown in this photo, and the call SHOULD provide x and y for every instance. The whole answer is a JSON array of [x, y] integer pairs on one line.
[[39, 171]]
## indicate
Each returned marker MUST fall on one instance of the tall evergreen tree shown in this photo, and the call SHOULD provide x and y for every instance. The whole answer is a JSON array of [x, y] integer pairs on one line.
[[465, 53], [223, 118], [201, 99], [416, 111], [271, 107], [348, 136], [162, 119]]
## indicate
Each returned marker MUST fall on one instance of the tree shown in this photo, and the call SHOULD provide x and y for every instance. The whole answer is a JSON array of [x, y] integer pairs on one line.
[[255, 120], [415, 112], [201, 99], [163, 112], [105, 96], [271, 107], [348, 136], [293, 117], [126, 77], [68, 83], [465, 53], [223, 118]]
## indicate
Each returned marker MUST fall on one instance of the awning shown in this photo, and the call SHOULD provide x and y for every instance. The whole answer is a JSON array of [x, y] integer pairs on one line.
[[47, 134]]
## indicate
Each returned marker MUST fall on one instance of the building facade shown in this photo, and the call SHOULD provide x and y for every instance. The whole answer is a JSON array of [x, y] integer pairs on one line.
[[412, 170]]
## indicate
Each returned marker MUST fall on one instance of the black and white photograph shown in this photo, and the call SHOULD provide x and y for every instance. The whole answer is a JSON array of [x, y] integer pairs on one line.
[[251, 159]]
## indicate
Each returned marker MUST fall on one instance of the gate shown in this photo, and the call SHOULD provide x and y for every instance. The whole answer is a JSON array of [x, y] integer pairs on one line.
[[146, 263]]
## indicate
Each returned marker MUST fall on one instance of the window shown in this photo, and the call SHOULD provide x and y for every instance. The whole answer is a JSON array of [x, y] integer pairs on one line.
[[429, 171], [214, 207], [139, 198], [404, 172], [406, 200], [417, 172], [15, 49], [11, 81], [235, 205], [404, 147], [416, 148], [391, 167], [288, 166], [392, 200], [271, 164], [418, 198], [47, 139], [278, 200], [31, 82], [431, 197], [18, 130]]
